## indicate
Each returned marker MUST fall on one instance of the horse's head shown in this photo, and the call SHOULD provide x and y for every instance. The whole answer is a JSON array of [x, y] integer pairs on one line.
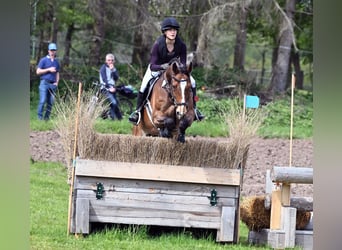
[[179, 87]]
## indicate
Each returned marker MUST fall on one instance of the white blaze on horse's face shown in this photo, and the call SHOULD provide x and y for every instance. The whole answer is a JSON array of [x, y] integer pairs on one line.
[[181, 109]]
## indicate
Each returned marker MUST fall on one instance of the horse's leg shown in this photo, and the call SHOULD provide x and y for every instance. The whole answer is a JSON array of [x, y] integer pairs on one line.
[[183, 125], [137, 130], [169, 125]]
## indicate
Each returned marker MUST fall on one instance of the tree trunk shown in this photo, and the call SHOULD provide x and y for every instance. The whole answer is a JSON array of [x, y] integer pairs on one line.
[[142, 36], [68, 38], [295, 59], [280, 69], [241, 35], [67, 44], [97, 8], [45, 33]]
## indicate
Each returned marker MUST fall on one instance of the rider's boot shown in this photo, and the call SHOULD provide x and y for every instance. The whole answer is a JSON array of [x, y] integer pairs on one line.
[[135, 116], [198, 114]]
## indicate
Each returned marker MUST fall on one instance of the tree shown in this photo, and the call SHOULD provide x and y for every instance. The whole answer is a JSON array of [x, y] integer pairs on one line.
[[97, 9], [142, 36], [283, 51], [241, 37]]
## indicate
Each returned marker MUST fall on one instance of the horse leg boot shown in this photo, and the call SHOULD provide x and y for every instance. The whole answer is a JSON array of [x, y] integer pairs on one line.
[[198, 114], [135, 116]]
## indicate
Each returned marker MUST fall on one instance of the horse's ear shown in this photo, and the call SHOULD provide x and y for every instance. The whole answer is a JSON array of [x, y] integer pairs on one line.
[[175, 68], [190, 67]]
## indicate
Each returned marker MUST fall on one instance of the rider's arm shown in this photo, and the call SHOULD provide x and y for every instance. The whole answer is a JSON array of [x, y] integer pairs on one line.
[[183, 53], [154, 61]]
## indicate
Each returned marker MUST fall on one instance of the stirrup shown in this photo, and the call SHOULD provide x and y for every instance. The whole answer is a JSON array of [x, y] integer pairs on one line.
[[135, 121], [198, 115]]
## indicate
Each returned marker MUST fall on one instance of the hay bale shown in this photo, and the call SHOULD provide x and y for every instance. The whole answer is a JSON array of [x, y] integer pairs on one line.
[[302, 219], [197, 152], [256, 216]]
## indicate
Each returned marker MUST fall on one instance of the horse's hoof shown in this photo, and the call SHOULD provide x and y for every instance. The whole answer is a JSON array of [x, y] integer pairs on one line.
[[164, 133], [181, 138]]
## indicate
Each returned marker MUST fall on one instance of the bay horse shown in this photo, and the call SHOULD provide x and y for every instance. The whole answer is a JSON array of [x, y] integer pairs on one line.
[[168, 111]]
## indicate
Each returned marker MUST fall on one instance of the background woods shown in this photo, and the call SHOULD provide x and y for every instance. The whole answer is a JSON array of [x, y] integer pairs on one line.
[[254, 45]]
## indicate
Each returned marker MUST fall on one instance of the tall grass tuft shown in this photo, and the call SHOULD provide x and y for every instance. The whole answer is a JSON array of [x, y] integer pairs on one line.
[[242, 127], [74, 112]]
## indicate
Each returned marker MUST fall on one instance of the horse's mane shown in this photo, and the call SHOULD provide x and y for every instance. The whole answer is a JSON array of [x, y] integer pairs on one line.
[[181, 67]]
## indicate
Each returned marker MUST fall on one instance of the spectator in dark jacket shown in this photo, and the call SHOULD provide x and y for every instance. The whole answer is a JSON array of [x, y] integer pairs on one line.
[[108, 76]]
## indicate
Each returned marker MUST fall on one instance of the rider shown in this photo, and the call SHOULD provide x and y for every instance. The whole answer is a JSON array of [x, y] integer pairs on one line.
[[108, 75], [165, 48]]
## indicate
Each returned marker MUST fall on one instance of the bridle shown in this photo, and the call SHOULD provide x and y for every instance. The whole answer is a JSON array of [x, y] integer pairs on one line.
[[169, 89]]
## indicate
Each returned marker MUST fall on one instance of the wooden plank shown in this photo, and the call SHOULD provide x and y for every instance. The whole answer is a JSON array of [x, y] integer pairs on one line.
[[275, 222], [156, 221], [289, 225], [114, 204], [226, 231], [82, 216], [161, 198], [285, 194], [162, 187], [160, 172], [302, 175], [73, 214], [300, 203]]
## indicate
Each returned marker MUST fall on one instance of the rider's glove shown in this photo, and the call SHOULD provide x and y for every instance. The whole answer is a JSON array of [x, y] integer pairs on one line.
[[164, 66]]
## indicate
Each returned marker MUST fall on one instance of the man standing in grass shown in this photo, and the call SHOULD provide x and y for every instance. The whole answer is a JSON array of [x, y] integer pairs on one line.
[[48, 70]]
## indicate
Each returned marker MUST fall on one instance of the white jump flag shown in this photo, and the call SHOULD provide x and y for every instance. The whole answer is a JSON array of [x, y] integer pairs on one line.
[[252, 101]]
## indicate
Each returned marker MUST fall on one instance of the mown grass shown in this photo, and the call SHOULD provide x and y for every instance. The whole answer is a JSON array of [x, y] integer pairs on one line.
[[49, 194]]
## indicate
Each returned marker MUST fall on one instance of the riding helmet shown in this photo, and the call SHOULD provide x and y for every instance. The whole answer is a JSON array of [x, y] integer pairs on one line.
[[168, 23]]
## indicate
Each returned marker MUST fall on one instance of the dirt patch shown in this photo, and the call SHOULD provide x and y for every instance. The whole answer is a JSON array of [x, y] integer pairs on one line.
[[263, 154]]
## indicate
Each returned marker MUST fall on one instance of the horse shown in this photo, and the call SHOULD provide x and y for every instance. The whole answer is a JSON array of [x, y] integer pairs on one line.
[[168, 110]]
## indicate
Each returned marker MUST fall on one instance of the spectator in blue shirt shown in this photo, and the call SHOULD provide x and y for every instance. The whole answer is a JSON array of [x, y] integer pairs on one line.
[[48, 69]]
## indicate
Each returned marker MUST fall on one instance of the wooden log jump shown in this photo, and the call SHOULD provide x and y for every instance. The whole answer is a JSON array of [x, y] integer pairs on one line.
[[300, 175], [282, 233]]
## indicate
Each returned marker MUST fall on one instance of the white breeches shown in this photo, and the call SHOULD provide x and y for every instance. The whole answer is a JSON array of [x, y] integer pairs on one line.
[[149, 74]]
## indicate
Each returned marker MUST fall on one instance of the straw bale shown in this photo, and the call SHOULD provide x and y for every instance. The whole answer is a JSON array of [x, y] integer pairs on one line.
[[256, 216], [156, 150]]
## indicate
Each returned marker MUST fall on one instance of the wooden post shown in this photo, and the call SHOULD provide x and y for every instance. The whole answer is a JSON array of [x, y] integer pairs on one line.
[[276, 210], [74, 158]]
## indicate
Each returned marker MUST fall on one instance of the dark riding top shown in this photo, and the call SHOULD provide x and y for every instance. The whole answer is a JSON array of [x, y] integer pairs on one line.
[[160, 54]]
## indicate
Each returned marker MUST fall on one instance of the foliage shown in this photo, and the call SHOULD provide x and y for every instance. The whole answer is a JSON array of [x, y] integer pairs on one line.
[[279, 115], [214, 107], [48, 222]]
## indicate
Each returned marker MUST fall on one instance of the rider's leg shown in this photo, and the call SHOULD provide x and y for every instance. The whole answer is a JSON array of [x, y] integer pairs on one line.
[[198, 114], [135, 116]]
